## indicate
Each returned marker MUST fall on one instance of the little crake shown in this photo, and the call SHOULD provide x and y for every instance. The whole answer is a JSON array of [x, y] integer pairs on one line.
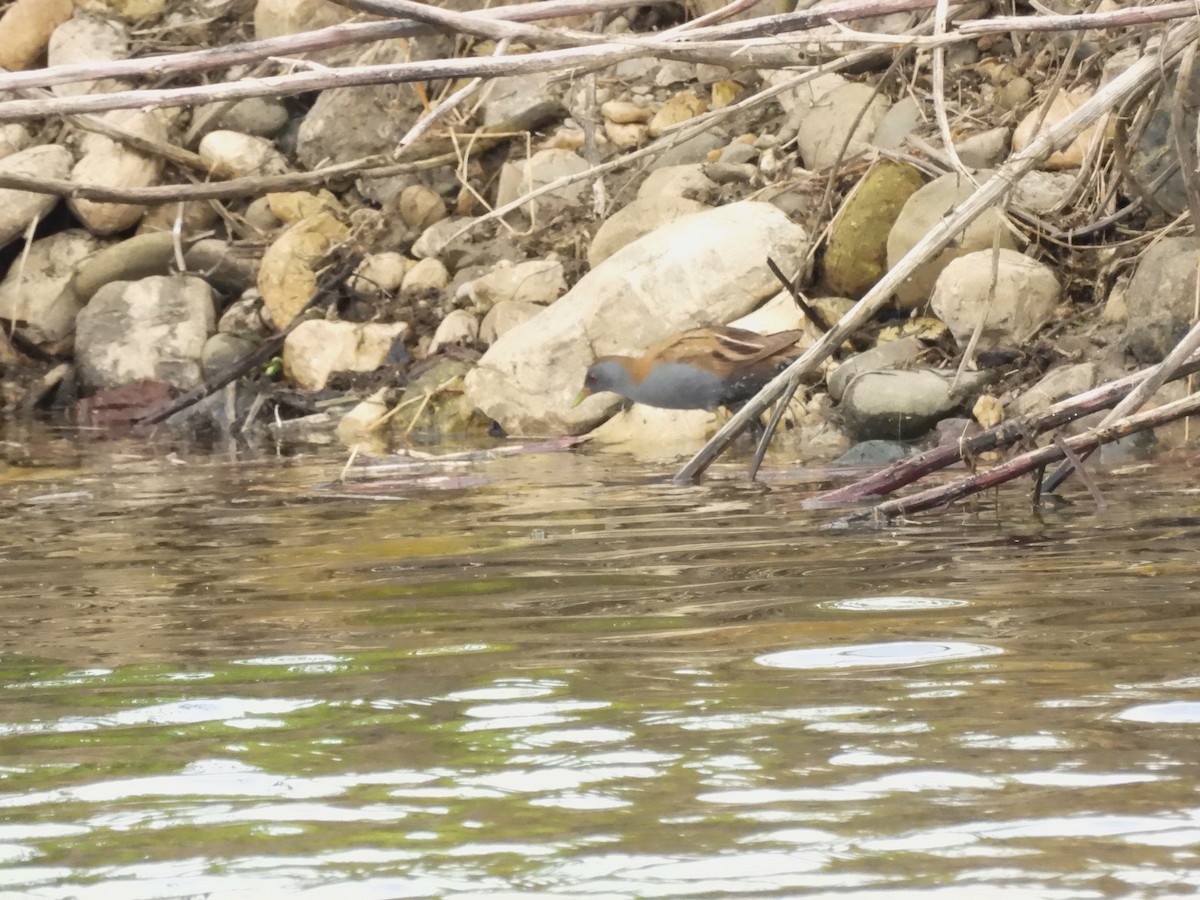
[[699, 369]]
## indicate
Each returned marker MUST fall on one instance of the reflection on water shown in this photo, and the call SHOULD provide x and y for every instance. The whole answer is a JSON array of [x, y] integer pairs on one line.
[[556, 676]]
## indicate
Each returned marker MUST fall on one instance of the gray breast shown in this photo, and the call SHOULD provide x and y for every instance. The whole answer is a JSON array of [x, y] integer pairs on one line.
[[672, 385]]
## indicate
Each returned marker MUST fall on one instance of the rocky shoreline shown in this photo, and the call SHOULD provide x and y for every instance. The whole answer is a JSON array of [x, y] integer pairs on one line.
[[505, 231]]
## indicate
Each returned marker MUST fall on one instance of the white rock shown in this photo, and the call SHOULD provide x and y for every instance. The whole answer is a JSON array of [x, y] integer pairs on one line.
[[648, 433], [545, 166], [14, 137], [85, 39], [459, 327], [825, 125], [533, 281], [433, 240], [318, 348], [19, 208], [1025, 296], [503, 317], [381, 273], [151, 329], [232, 154], [679, 181], [276, 18], [1057, 384], [112, 164], [641, 217], [678, 277], [425, 276], [33, 294]]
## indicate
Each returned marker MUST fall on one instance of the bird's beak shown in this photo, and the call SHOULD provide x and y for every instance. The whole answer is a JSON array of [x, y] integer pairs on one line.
[[580, 397]]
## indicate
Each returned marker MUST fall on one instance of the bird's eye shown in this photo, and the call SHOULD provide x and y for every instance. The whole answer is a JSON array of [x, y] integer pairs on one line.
[[589, 379]]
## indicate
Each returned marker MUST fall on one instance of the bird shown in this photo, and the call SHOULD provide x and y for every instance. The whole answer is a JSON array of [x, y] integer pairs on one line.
[[699, 369]]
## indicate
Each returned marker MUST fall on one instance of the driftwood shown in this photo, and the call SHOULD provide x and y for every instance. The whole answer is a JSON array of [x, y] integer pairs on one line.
[[1035, 459], [1006, 434]]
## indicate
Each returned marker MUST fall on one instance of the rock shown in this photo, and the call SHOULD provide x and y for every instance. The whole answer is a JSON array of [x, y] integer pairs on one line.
[[278, 18], [504, 317], [544, 167], [1160, 299], [625, 137], [724, 93], [646, 432], [287, 277], [897, 123], [290, 207], [904, 405], [420, 206], [737, 152], [1155, 151], [681, 107], [458, 327], [262, 117], [143, 11], [231, 154], [873, 454], [983, 150], [222, 350], [437, 237], [856, 254], [1057, 384], [1063, 104], [25, 30], [826, 119], [318, 348], [244, 317], [260, 221], [731, 173], [625, 112], [381, 273], [132, 259], [448, 411], [362, 425], [153, 330], [1044, 192], [14, 137], [898, 354], [687, 181], [638, 218], [515, 97], [196, 216], [34, 295], [534, 281], [19, 208], [923, 210], [1026, 293], [1015, 93], [228, 269], [677, 277], [426, 276], [112, 164], [693, 150], [346, 124], [780, 313], [84, 39]]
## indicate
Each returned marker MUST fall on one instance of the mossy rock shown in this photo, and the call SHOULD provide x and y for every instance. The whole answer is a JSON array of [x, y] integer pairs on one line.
[[447, 412], [856, 253]]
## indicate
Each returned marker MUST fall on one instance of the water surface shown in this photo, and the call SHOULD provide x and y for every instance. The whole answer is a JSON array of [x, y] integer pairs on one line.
[[557, 675]]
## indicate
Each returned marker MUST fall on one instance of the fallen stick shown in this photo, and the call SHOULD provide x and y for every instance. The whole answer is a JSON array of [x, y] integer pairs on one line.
[[1035, 459], [909, 470]]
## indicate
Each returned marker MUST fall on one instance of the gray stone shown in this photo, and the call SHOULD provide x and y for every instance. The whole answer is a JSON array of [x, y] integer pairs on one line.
[[688, 181], [693, 150], [258, 116], [19, 208], [1055, 385], [132, 259], [902, 406], [1023, 300], [346, 124], [831, 125], [223, 350], [895, 354], [545, 166], [874, 453], [35, 295], [229, 270], [244, 317], [153, 329], [1160, 299], [983, 150]]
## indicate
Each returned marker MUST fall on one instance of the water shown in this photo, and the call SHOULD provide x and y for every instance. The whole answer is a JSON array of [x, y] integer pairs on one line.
[[556, 676]]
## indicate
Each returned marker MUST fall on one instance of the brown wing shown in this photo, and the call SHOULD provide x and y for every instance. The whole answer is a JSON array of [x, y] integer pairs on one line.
[[722, 350]]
